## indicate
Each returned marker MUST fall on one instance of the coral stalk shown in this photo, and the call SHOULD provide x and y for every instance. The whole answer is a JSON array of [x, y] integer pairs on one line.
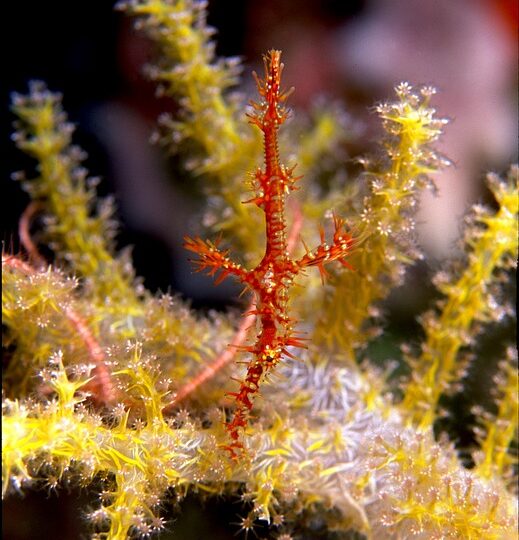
[[412, 127], [492, 245], [219, 363], [24, 233], [65, 196]]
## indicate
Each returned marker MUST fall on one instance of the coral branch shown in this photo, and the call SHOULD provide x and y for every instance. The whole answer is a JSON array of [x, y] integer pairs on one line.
[[24, 227], [101, 387], [388, 218], [15, 262], [81, 231], [497, 457], [219, 363], [492, 245], [206, 129]]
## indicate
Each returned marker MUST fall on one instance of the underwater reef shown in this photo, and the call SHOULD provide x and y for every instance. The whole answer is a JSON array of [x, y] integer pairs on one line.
[[144, 400]]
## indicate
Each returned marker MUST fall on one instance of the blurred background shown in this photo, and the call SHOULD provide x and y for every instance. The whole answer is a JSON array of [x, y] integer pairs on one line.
[[352, 51]]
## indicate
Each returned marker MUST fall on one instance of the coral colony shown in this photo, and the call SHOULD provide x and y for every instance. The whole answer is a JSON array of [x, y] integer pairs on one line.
[[109, 386]]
